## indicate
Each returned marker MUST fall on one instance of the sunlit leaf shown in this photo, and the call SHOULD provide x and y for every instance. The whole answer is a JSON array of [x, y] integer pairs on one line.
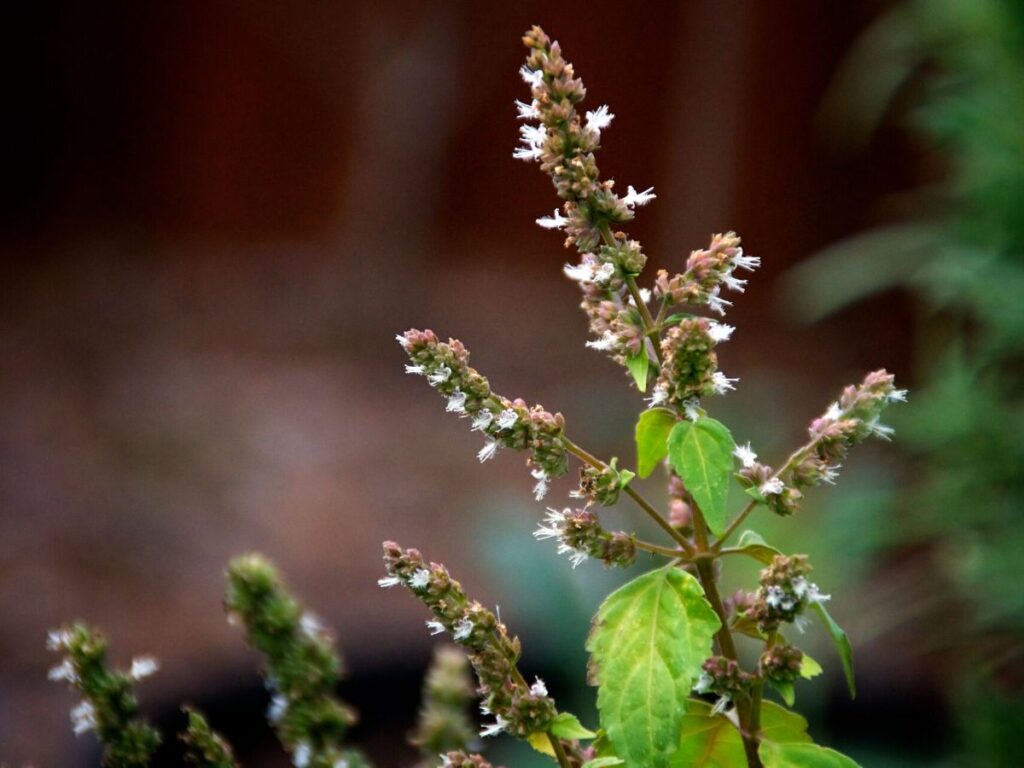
[[652, 430], [701, 454]]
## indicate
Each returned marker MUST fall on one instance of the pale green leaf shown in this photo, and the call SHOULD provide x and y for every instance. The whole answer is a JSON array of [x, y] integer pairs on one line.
[[624, 477], [647, 645], [752, 544], [781, 725], [775, 755], [842, 643], [809, 668], [541, 742], [701, 453], [604, 762], [567, 726], [652, 430], [638, 366], [714, 742], [786, 690]]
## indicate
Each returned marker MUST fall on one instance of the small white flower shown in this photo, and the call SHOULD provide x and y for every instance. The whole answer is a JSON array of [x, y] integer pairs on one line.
[[691, 408], [604, 274], [446, 762], [532, 77], [533, 135], [420, 579], [310, 625], [63, 671], [488, 451], [801, 623], [703, 684], [403, 341], [580, 273], [551, 526], [834, 412], [897, 396], [302, 755], [389, 581], [607, 342], [555, 221], [528, 152], [277, 708], [417, 370], [722, 383], [658, 396], [773, 486], [83, 718], [494, 728], [56, 639], [599, 118], [774, 596], [733, 283], [440, 376], [341, 762], [719, 332], [645, 295], [435, 627], [463, 629], [814, 596], [634, 198], [143, 667], [880, 430], [456, 402], [716, 303], [576, 556], [745, 454], [507, 419], [540, 490], [483, 419], [829, 474], [538, 688], [527, 111], [721, 705], [749, 263]]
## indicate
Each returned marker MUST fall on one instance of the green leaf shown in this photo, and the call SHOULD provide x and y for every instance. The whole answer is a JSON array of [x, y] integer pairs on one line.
[[638, 366], [540, 741], [786, 690], [624, 477], [647, 645], [701, 453], [752, 544], [652, 430], [567, 726], [842, 643], [775, 755], [714, 742], [604, 762], [809, 668]]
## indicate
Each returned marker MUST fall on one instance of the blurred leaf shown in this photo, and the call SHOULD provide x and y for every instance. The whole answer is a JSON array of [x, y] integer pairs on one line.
[[567, 726], [775, 755], [649, 640], [752, 544], [842, 643], [638, 366]]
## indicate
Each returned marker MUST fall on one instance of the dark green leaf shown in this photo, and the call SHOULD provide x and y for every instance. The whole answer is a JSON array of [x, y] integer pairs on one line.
[[701, 453], [842, 643], [638, 366], [652, 430], [647, 645]]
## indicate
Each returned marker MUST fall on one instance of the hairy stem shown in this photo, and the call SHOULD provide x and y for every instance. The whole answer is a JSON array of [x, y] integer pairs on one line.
[[650, 327], [656, 516]]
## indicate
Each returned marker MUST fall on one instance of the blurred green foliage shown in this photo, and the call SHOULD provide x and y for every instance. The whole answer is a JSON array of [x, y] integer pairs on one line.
[[954, 71]]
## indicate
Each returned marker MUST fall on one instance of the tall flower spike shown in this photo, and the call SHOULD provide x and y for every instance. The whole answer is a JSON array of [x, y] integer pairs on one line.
[[505, 423], [302, 667], [448, 694]]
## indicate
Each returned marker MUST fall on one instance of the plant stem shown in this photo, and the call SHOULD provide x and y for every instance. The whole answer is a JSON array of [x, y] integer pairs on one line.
[[706, 573], [657, 549], [650, 327], [556, 743], [595, 462]]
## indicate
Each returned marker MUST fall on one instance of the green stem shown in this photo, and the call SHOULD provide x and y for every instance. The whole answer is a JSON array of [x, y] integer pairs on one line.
[[657, 549], [556, 743], [650, 327], [664, 524]]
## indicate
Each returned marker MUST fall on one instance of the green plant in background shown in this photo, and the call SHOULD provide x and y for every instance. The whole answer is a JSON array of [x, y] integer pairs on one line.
[[667, 638], [958, 70]]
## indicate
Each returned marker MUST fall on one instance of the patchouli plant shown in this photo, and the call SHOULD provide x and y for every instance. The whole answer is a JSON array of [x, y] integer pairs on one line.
[[672, 687]]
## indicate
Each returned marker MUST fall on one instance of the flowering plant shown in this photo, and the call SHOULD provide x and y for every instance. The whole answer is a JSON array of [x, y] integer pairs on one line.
[[673, 689]]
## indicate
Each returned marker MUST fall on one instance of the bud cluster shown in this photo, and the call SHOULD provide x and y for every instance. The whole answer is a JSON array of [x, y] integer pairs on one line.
[[204, 748], [690, 365], [707, 271], [784, 593], [580, 535], [518, 709], [602, 484], [302, 667], [722, 676], [448, 691], [108, 704], [781, 663], [460, 759], [506, 423]]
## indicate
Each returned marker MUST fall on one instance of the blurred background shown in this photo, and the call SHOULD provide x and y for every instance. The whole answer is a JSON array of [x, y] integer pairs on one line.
[[221, 213]]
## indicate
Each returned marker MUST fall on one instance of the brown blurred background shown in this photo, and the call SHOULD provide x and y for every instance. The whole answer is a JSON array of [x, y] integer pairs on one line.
[[223, 212]]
